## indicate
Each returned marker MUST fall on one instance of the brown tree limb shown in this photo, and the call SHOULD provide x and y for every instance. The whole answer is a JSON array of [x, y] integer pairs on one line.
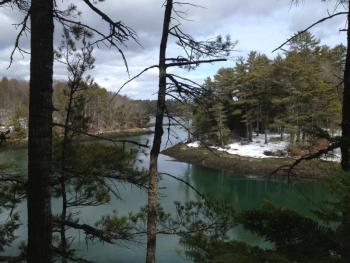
[[88, 230], [197, 62], [308, 157]]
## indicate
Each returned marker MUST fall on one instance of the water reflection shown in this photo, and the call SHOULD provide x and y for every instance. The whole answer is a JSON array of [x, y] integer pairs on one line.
[[242, 192]]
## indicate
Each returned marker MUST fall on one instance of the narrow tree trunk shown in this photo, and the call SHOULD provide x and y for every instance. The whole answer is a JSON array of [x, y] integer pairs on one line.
[[63, 178], [246, 131], [40, 132], [250, 133], [188, 130], [282, 133], [298, 135], [345, 147], [266, 131], [258, 121], [158, 132]]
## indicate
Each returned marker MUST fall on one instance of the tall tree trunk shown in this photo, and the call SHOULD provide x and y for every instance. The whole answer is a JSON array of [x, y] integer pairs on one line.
[[282, 132], [345, 147], [65, 143], [40, 132], [266, 131], [158, 132], [189, 130], [250, 132], [258, 121]]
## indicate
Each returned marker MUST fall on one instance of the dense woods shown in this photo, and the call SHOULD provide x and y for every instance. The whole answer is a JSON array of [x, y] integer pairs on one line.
[[296, 93]]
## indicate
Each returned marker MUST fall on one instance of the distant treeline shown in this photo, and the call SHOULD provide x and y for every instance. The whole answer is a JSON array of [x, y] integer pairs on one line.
[[174, 108], [104, 110]]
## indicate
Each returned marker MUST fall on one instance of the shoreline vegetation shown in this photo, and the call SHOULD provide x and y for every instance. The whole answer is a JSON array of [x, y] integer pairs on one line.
[[214, 159], [120, 133]]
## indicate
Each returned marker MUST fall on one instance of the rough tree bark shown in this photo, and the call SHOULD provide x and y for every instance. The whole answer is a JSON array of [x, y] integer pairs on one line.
[[40, 132], [345, 146], [153, 170]]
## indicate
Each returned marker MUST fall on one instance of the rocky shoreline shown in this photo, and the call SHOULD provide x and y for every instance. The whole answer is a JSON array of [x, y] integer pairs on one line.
[[210, 158]]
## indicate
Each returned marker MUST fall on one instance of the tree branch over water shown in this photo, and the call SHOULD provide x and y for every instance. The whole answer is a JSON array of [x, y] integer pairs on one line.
[[101, 137], [289, 168]]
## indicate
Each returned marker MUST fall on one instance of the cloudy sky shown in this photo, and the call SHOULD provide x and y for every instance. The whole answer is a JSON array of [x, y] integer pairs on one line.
[[259, 25]]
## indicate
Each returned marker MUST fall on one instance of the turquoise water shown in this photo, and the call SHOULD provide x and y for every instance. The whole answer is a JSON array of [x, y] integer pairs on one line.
[[243, 192]]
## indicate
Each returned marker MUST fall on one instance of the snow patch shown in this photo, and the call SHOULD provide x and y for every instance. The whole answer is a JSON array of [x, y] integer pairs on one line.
[[334, 156], [256, 148], [195, 144]]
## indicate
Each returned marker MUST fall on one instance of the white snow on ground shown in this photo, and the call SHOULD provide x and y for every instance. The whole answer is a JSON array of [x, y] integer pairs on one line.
[[194, 144], [254, 149], [334, 156], [257, 148]]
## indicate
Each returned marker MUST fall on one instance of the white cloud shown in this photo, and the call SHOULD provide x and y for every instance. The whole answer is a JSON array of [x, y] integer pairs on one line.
[[257, 24]]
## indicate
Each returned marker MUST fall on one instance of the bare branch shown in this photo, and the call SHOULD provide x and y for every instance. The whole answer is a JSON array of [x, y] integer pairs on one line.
[[186, 183], [180, 64], [309, 27], [100, 137], [311, 156], [23, 29], [132, 79], [118, 32], [89, 230]]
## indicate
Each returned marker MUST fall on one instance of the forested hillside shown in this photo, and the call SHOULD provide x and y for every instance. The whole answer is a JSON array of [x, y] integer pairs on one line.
[[104, 109]]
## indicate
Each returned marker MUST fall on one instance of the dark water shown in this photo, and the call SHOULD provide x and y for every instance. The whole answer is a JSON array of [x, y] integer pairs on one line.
[[243, 192]]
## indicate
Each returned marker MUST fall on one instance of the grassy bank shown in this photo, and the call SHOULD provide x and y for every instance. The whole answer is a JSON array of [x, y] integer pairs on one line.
[[246, 165]]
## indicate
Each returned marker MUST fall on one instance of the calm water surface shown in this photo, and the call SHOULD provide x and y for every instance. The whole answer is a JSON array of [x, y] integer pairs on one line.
[[243, 192]]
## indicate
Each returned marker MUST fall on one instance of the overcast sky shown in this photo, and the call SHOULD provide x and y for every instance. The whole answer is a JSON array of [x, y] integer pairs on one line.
[[259, 25]]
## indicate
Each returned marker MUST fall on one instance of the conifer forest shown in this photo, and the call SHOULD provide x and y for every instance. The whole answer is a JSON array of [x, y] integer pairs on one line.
[[175, 131]]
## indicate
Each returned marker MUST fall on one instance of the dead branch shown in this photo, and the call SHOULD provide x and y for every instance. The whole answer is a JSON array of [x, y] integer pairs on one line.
[[198, 62], [99, 136], [289, 168], [186, 183], [89, 230], [118, 32], [23, 29], [132, 79], [308, 28]]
